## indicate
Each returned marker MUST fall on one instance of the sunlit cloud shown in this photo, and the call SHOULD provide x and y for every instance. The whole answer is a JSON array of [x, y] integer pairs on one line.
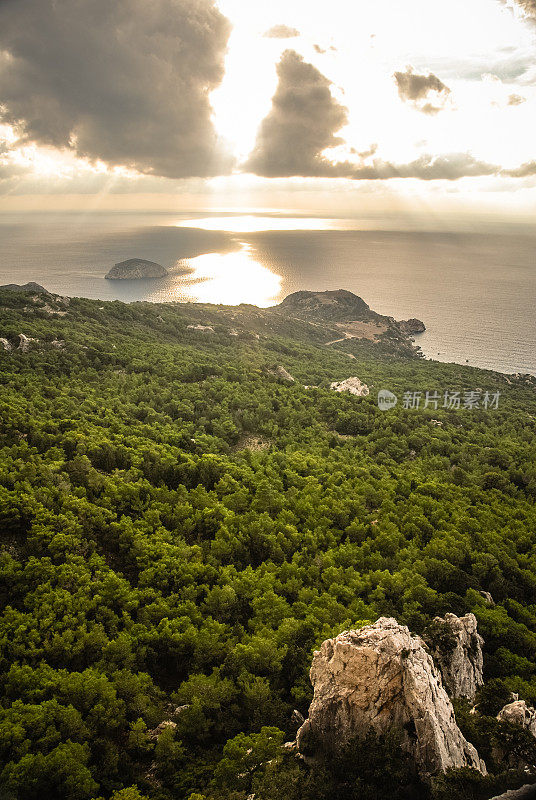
[[126, 83], [427, 93], [105, 122], [281, 32], [527, 7], [301, 125]]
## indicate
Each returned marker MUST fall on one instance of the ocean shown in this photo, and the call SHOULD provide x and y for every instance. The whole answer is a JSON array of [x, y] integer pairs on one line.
[[475, 291]]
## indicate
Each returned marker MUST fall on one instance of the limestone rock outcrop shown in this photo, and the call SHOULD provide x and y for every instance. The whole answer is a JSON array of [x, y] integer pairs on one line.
[[201, 328], [381, 678], [519, 713], [25, 342], [352, 385], [456, 648], [167, 723], [281, 372], [297, 718]]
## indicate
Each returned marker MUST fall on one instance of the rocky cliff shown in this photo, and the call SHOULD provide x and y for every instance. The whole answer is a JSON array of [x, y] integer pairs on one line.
[[519, 713], [351, 385], [340, 306], [456, 648], [412, 326], [381, 678]]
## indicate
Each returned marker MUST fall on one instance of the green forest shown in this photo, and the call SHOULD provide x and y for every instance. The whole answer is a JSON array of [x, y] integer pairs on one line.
[[181, 527]]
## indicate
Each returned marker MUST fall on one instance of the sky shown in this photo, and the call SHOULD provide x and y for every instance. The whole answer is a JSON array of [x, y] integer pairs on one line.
[[381, 108]]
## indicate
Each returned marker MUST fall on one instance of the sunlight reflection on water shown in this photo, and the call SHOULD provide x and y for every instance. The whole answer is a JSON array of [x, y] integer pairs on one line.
[[253, 223], [226, 278]]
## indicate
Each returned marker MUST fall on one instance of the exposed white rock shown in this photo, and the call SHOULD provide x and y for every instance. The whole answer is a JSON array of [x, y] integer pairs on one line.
[[202, 328], [519, 713], [6, 345], [58, 344], [352, 385], [381, 678], [515, 713], [47, 309], [457, 651], [167, 723], [526, 792], [281, 372], [487, 597], [297, 717], [25, 342]]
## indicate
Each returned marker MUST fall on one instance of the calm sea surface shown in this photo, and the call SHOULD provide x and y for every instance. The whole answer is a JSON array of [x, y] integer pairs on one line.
[[476, 292]]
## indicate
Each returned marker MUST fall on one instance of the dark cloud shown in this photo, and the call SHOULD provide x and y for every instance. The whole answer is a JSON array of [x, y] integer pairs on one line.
[[526, 170], [126, 81], [450, 167], [417, 90], [282, 32], [301, 124], [368, 153], [416, 87], [323, 50]]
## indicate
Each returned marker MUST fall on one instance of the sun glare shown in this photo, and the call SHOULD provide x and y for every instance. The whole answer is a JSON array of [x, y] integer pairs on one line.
[[229, 279], [252, 223]]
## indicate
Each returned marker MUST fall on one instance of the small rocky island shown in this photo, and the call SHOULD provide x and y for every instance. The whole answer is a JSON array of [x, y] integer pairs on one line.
[[412, 326], [135, 269]]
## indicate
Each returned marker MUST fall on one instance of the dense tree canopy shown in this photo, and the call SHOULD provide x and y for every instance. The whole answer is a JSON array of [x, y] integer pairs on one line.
[[180, 528]]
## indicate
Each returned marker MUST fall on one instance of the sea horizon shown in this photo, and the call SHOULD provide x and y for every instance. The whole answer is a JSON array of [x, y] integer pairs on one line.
[[474, 290]]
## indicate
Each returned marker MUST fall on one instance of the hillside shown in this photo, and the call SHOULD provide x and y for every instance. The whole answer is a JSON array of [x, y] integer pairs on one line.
[[182, 525], [334, 306], [349, 315]]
